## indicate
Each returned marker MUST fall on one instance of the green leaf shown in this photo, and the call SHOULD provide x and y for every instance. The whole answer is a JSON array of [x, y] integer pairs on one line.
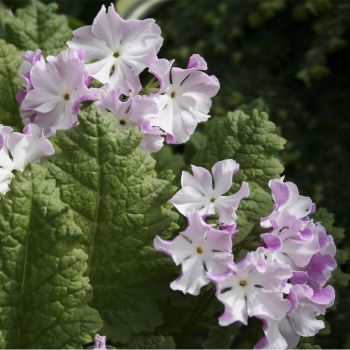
[[166, 159], [9, 84], [38, 26], [119, 203], [250, 139], [43, 294], [151, 342], [220, 337]]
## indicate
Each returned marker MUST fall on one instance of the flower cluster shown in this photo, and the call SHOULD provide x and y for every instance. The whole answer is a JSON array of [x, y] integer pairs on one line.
[[113, 52], [109, 55], [283, 283], [303, 245]]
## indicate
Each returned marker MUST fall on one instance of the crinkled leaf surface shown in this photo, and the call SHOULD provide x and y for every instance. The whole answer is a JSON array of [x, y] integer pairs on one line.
[[250, 139], [38, 26], [43, 293], [118, 201], [151, 342], [9, 84]]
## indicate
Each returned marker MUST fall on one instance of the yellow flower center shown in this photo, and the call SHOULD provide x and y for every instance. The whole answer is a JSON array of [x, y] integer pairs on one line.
[[200, 250], [243, 283]]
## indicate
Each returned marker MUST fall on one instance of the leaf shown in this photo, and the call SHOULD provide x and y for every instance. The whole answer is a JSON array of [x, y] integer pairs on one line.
[[166, 159], [250, 139], [43, 294], [9, 84], [38, 26], [118, 201], [151, 342], [220, 337]]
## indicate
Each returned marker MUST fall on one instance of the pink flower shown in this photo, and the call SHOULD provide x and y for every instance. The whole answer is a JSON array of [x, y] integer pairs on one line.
[[117, 50], [199, 193], [254, 288], [184, 97], [295, 244], [200, 249], [136, 111], [301, 320], [288, 202], [322, 263], [58, 88], [30, 58], [100, 342], [18, 150]]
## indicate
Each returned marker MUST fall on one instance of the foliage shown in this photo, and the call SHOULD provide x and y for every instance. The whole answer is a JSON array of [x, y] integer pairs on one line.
[[44, 287], [9, 84], [38, 26]]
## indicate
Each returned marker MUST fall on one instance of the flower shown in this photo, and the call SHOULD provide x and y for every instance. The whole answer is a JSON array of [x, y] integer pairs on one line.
[[18, 150], [288, 203], [295, 244], [100, 342], [30, 58], [322, 263], [136, 111], [200, 249], [199, 193], [254, 288], [58, 88], [306, 305], [117, 50], [184, 96]]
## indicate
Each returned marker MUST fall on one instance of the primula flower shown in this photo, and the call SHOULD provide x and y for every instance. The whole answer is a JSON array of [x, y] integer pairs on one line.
[[100, 342], [184, 96], [135, 111], [18, 150], [30, 58], [295, 244], [254, 288], [322, 263], [306, 305], [117, 50], [58, 88], [200, 249], [287, 202], [198, 191]]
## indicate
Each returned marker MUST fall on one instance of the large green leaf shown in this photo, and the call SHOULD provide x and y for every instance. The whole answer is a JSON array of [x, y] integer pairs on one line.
[[38, 26], [118, 201], [250, 139], [9, 84], [43, 293]]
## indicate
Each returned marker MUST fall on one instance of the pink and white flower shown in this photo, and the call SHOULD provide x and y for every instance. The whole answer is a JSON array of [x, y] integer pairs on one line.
[[301, 320], [30, 58], [136, 111], [295, 244], [17, 150], [118, 50], [100, 342], [58, 88], [322, 263], [198, 191], [288, 203], [184, 96], [201, 250], [254, 288]]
